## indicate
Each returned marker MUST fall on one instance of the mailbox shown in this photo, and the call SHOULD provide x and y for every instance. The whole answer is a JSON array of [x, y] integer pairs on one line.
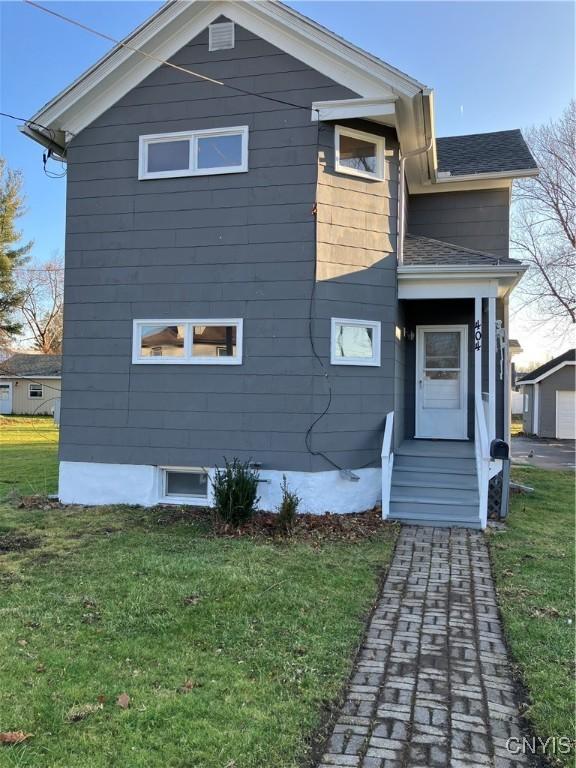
[[499, 450]]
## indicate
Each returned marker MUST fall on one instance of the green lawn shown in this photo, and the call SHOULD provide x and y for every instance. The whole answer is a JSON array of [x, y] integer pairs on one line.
[[28, 455], [534, 569], [229, 649]]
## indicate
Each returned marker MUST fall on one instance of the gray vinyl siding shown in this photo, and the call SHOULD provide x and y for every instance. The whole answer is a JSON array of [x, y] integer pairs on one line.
[[356, 271], [238, 245], [562, 380], [478, 219]]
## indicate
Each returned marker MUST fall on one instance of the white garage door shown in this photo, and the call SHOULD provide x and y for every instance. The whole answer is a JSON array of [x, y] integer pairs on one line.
[[566, 415]]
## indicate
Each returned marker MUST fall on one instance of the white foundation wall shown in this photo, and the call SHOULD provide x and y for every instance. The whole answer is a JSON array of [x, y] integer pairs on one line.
[[93, 484]]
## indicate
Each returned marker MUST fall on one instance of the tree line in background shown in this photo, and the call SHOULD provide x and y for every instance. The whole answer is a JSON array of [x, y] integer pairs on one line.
[[543, 236], [31, 294]]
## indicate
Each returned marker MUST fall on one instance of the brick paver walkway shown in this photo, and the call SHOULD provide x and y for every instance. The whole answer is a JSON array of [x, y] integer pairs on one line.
[[431, 687]]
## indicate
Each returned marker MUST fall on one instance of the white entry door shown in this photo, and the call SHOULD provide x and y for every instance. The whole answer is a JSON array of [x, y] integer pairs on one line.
[[6, 398], [441, 382]]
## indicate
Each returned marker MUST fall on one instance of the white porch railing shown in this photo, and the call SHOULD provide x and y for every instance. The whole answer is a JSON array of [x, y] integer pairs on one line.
[[482, 448], [387, 463]]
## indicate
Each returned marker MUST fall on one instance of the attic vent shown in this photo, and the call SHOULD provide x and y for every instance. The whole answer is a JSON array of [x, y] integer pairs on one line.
[[221, 36]]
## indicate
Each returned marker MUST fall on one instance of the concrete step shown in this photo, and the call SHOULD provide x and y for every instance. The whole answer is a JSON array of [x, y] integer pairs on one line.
[[436, 464], [415, 478], [451, 497]]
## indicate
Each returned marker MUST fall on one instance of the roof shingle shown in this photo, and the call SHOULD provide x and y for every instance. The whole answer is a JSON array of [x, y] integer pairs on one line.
[[425, 251], [497, 152], [23, 364], [568, 356]]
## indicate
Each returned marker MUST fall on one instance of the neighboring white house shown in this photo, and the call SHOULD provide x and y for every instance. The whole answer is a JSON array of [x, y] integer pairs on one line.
[[30, 383], [549, 398]]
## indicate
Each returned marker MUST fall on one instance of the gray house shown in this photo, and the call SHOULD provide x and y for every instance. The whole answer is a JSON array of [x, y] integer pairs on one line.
[[271, 256], [549, 398]]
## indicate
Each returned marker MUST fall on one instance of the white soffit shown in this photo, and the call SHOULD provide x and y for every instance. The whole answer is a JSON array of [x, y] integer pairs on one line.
[[177, 23], [376, 110]]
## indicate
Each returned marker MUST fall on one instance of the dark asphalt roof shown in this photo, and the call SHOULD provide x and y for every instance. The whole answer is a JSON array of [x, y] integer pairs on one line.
[[23, 364], [424, 251], [568, 356], [484, 153]]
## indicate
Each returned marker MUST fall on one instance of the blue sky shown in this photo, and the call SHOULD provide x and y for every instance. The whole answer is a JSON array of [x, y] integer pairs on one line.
[[493, 65]]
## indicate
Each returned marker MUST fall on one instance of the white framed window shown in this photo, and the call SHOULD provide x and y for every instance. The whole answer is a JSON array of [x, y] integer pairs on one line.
[[358, 153], [35, 390], [187, 342], [526, 403], [355, 342], [184, 485], [193, 153]]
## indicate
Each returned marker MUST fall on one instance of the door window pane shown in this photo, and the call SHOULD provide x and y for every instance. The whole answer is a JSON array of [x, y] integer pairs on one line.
[[358, 154], [214, 341], [168, 156], [442, 349], [4, 392], [219, 151], [354, 341], [162, 341]]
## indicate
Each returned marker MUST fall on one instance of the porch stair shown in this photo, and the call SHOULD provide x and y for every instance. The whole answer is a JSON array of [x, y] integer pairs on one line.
[[434, 482]]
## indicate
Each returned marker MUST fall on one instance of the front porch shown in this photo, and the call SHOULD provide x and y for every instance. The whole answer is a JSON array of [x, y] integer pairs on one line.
[[451, 389]]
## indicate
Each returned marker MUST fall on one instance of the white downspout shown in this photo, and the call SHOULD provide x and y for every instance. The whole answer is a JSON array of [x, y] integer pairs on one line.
[[402, 198], [401, 228]]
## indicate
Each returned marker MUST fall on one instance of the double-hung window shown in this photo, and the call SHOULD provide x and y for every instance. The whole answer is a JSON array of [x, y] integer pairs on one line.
[[193, 153], [359, 154], [187, 342], [355, 342], [35, 390]]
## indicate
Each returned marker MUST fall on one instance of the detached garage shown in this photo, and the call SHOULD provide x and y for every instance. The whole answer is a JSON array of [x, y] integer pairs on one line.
[[30, 384], [549, 398]]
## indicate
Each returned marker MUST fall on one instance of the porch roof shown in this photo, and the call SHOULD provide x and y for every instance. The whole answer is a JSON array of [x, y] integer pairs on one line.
[[425, 251]]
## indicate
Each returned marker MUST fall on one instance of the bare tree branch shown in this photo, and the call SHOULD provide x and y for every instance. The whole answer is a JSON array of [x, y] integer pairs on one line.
[[544, 223], [42, 305]]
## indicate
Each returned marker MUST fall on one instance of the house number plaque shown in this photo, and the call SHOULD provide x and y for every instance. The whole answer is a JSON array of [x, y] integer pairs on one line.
[[477, 336]]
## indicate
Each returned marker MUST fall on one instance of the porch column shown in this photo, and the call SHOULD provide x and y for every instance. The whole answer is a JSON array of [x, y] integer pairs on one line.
[[491, 369], [477, 352]]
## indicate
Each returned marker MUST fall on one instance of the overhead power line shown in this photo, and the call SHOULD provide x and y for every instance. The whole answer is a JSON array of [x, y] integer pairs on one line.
[[159, 60]]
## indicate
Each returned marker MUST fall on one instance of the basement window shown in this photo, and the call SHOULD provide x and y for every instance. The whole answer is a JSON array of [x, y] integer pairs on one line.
[[183, 484], [355, 342], [35, 390], [193, 153], [188, 342], [359, 154]]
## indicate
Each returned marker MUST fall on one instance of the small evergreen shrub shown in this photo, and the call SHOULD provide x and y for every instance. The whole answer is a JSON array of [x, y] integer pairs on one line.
[[288, 509], [235, 492]]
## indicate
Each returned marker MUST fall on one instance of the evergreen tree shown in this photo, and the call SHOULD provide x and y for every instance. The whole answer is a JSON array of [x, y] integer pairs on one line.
[[12, 253]]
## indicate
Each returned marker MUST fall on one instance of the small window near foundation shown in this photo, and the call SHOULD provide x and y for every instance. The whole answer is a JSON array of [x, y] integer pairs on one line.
[[185, 484]]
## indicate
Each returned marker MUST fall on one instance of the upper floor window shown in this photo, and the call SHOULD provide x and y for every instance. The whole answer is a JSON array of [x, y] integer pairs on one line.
[[355, 342], [193, 153], [359, 153], [208, 342]]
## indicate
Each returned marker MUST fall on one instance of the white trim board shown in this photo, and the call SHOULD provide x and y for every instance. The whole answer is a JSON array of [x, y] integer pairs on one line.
[[176, 23], [93, 484], [548, 373]]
